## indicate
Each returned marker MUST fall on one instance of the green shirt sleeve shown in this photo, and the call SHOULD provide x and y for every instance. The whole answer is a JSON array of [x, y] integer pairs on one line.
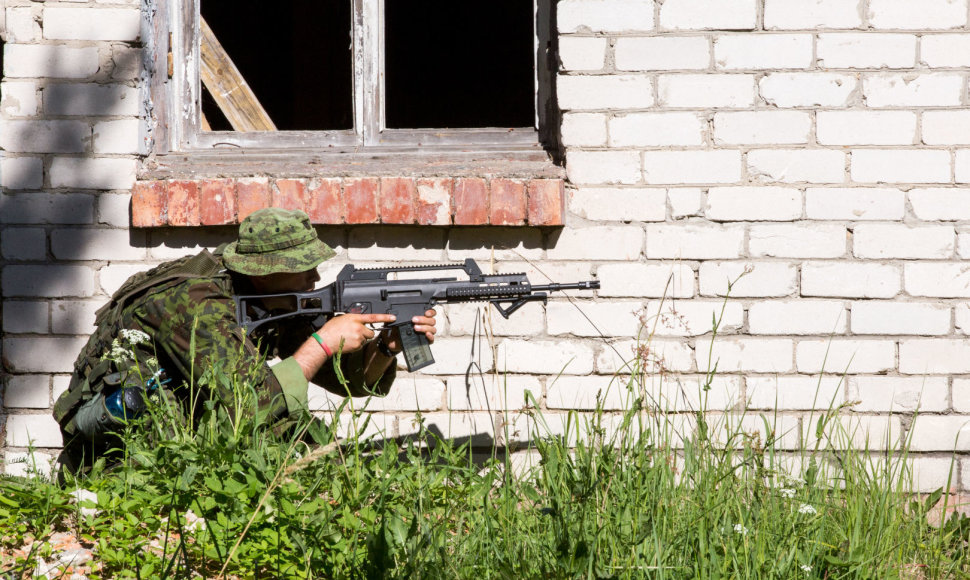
[[290, 376]]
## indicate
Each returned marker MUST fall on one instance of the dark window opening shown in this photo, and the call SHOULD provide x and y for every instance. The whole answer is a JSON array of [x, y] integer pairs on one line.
[[454, 64], [294, 54]]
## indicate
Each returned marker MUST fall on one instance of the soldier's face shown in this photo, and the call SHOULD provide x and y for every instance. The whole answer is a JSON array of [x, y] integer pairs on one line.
[[285, 282]]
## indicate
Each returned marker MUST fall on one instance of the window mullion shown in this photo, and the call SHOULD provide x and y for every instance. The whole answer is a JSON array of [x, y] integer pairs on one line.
[[368, 70]]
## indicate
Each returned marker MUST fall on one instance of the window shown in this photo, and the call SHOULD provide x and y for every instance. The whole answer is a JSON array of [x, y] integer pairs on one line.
[[346, 75]]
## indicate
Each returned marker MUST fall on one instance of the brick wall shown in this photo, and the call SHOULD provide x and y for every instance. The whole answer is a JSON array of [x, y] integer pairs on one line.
[[821, 149]]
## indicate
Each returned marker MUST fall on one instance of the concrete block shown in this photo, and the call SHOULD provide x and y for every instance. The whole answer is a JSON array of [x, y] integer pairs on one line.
[[492, 393], [703, 91], [911, 318], [693, 317], [801, 240], [762, 128], [865, 127], [50, 61], [93, 173], [940, 204], [37, 136], [33, 430], [652, 280], [848, 356], [611, 243], [851, 279], [881, 241], [945, 50], [47, 208], [946, 127], [582, 53], [758, 355], [690, 241], [909, 90], [605, 16], [613, 318], [41, 354], [796, 165], [708, 15], [19, 99], [763, 51], [797, 317], [863, 50], [550, 357], [27, 317], [793, 393], [662, 53], [807, 89], [584, 129], [84, 23], [23, 244], [855, 203], [900, 166], [74, 316], [52, 281], [122, 137], [898, 394], [928, 14], [753, 204], [21, 173], [603, 167], [620, 204], [811, 15], [94, 244], [939, 280], [657, 129], [691, 167], [748, 279], [91, 99], [940, 433], [605, 92], [27, 392]]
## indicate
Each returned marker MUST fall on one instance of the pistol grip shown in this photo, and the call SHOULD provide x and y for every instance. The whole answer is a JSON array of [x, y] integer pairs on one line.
[[417, 349]]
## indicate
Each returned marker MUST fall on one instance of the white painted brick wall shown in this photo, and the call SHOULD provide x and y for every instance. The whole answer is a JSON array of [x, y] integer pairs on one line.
[[701, 91], [748, 279], [620, 204], [726, 204], [584, 129], [662, 53], [941, 280], [872, 317], [866, 127], [937, 433], [901, 241], [678, 167], [907, 90], [653, 280], [807, 15], [605, 15], [821, 145], [798, 317], [762, 127], [692, 317], [940, 204], [898, 394], [855, 204], [51, 61], [758, 355], [82, 23], [583, 53], [657, 129], [605, 92], [798, 240], [797, 165], [900, 166], [763, 51], [795, 393], [858, 50], [694, 242], [945, 50], [838, 356], [926, 14], [946, 127], [851, 279], [21, 173], [708, 14], [934, 356], [807, 89]]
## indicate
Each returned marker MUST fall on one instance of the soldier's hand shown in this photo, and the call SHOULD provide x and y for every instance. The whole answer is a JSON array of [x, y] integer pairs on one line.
[[351, 329], [425, 324]]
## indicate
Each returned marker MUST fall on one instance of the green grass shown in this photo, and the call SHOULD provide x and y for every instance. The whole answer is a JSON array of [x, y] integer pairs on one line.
[[642, 493]]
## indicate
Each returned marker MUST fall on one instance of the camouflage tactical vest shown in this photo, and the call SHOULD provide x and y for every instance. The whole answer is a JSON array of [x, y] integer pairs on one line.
[[91, 370]]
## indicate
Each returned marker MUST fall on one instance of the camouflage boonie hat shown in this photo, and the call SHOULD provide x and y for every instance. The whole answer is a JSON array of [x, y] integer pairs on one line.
[[275, 240]]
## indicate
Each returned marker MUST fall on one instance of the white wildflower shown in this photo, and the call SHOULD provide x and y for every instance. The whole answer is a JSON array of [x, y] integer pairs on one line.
[[152, 363], [741, 529], [193, 522], [118, 352], [134, 337], [806, 568], [807, 509], [787, 492]]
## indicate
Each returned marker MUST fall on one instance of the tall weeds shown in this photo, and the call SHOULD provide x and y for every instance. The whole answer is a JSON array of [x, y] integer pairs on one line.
[[642, 493]]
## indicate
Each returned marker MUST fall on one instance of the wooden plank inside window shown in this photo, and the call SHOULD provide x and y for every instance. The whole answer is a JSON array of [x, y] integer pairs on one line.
[[228, 87]]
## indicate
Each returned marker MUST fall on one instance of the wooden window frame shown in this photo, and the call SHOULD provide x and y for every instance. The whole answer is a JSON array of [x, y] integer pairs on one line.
[[172, 33]]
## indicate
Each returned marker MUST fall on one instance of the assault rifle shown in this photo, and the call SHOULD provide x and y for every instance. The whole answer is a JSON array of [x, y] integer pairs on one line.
[[367, 290]]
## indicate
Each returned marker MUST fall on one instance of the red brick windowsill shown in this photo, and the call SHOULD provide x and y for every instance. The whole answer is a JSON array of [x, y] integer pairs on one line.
[[432, 201]]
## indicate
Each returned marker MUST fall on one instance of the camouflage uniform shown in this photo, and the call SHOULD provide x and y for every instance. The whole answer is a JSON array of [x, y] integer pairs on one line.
[[191, 325]]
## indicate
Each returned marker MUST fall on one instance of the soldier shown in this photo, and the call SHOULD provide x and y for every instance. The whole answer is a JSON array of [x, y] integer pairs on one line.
[[169, 324]]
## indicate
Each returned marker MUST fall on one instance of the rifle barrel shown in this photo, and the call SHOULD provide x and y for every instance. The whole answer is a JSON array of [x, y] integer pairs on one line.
[[588, 285]]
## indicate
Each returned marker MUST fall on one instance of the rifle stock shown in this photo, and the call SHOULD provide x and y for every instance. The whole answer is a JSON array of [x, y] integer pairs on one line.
[[368, 290]]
